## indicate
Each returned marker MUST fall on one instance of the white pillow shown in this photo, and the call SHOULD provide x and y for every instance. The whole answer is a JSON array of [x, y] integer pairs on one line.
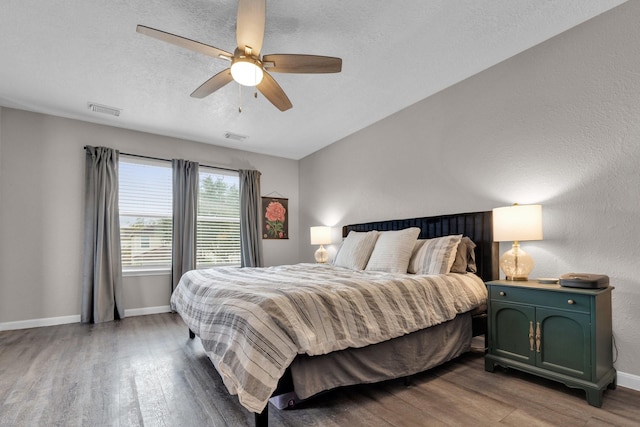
[[356, 250], [393, 250], [434, 256]]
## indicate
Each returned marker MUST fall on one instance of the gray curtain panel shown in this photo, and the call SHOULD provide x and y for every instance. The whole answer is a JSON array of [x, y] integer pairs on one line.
[[185, 214], [102, 290], [250, 237]]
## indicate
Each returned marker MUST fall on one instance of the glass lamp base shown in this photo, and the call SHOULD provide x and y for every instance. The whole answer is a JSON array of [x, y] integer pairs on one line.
[[321, 255], [516, 264]]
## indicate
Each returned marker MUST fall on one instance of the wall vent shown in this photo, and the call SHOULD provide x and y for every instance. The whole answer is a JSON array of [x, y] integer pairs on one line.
[[104, 109], [235, 136]]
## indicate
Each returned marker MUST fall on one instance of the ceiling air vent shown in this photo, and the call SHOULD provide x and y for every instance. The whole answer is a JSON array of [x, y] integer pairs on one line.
[[235, 136], [97, 108]]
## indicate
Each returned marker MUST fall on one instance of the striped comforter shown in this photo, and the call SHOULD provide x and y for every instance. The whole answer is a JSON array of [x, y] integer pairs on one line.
[[253, 321]]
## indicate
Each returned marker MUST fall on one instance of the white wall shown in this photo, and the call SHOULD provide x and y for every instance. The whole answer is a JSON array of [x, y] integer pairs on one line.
[[558, 125], [41, 209]]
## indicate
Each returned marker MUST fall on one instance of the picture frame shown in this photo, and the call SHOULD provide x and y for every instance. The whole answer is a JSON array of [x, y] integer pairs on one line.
[[275, 218]]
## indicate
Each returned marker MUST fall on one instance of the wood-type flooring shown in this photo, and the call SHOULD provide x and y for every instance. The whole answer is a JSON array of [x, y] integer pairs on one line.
[[144, 371]]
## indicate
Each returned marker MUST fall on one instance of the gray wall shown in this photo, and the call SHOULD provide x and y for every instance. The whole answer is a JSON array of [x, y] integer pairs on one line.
[[558, 125], [41, 209]]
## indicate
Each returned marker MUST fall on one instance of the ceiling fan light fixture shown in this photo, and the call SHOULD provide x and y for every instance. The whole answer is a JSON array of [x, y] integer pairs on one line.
[[246, 71]]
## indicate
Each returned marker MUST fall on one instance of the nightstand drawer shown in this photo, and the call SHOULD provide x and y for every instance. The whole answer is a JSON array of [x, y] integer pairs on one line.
[[542, 298]]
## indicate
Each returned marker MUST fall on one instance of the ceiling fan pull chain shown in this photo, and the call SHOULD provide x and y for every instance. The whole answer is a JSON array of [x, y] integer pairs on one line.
[[239, 98]]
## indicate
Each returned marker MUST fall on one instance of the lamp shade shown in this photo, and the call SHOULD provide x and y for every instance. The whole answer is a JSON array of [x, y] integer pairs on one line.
[[517, 222], [320, 235]]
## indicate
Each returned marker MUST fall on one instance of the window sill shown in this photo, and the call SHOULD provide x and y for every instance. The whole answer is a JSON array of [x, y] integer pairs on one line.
[[146, 272], [165, 271], [204, 267]]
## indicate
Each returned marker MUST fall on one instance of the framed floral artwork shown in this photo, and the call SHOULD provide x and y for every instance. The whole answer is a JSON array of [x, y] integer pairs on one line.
[[275, 218]]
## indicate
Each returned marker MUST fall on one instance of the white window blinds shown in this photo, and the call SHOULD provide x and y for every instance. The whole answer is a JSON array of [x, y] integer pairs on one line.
[[145, 213], [218, 234]]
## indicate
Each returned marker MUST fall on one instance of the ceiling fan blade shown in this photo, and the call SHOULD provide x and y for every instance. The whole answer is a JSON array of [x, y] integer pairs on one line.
[[285, 63], [213, 84], [250, 25], [274, 93], [184, 42]]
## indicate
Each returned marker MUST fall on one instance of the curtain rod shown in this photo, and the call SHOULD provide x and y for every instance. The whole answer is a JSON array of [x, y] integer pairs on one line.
[[168, 160]]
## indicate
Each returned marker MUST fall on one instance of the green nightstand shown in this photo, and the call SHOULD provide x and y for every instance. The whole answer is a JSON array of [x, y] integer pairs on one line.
[[563, 334]]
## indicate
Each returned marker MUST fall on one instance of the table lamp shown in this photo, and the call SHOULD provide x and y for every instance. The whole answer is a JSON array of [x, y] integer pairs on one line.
[[517, 223], [321, 235]]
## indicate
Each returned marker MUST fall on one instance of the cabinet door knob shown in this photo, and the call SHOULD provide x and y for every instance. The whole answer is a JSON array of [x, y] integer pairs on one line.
[[502, 293], [571, 302]]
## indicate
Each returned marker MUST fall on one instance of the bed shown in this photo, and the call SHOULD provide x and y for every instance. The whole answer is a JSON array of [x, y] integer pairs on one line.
[[291, 332]]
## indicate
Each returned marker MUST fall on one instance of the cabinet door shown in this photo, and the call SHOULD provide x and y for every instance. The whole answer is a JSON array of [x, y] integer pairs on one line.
[[565, 342], [512, 331]]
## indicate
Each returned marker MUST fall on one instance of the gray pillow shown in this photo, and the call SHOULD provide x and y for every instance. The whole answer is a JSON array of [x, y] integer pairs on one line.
[[465, 260], [434, 256]]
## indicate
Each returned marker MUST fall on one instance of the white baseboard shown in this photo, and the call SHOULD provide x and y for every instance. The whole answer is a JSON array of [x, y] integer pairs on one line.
[[37, 323], [629, 380], [147, 310], [52, 321]]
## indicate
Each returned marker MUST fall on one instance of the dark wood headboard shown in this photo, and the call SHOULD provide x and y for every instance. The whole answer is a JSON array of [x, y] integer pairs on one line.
[[478, 226]]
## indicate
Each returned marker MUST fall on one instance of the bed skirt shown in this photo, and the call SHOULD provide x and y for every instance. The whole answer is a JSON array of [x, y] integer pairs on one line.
[[420, 351]]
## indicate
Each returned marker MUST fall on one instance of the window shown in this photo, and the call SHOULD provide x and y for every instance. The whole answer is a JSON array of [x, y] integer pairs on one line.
[[218, 235], [145, 213], [146, 216]]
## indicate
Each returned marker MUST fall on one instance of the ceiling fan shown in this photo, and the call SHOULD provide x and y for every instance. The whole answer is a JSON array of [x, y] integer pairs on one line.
[[247, 67]]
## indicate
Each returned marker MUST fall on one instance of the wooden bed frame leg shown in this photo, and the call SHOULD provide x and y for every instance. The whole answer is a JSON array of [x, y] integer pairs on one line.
[[191, 334], [262, 419]]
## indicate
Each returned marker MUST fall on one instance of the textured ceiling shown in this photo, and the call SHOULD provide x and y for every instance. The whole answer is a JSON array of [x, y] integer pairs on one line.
[[56, 56]]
